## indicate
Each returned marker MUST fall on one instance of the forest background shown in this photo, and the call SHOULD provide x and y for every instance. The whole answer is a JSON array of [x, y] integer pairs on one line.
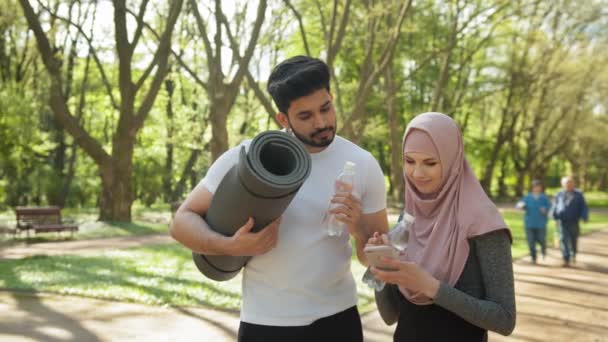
[[111, 104]]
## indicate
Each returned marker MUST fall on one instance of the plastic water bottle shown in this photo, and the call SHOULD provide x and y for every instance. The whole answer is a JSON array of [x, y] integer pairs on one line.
[[397, 238], [344, 183]]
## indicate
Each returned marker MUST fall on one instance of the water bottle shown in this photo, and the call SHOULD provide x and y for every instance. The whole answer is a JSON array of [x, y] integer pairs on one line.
[[397, 238], [344, 183]]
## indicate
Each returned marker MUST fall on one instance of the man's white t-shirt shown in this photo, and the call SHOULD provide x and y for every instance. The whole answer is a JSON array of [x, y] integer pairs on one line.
[[307, 275]]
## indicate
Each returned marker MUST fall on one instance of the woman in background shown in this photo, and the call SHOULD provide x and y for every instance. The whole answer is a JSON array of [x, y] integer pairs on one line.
[[536, 206]]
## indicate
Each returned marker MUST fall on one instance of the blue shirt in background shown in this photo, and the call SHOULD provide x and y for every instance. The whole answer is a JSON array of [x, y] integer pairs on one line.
[[537, 209]]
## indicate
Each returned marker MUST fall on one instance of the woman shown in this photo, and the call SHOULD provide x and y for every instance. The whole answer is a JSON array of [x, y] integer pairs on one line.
[[536, 205], [456, 275]]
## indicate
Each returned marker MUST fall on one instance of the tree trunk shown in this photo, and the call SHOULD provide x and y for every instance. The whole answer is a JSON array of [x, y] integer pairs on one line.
[[68, 177], [218, 116], [117, 194], [502, 186], [396, 169], [520, 184], [179, 188], [222, 94], [168, 172]]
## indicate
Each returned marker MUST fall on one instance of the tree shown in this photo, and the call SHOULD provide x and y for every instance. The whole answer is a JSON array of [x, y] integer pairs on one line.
[[136, 99], [223, 87]]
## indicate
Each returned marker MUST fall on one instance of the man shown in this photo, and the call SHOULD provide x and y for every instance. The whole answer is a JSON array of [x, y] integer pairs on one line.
[[298, 285], [570, 207]]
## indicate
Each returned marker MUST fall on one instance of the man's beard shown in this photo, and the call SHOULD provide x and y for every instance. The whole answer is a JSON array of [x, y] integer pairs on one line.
[[310, 140]]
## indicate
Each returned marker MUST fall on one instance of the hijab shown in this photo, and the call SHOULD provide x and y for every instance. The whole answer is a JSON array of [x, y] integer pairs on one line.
[[458, 211]]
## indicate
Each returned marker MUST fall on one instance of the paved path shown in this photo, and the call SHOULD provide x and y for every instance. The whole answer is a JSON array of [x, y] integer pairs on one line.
[[553, 304], [80, 247], [36, 317]]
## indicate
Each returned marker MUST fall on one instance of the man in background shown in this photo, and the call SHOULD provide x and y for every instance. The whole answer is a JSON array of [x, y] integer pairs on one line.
[[570, 208]]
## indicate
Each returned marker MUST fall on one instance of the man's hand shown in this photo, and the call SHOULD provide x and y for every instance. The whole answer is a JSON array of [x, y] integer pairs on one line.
[[247, 243], [348, 210]]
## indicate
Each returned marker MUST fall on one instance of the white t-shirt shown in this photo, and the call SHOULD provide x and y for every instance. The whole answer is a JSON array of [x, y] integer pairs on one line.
[[307, 275]]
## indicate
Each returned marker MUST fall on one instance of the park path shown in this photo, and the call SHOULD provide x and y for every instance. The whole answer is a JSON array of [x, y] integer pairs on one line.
[[553, 304], [80, 247]]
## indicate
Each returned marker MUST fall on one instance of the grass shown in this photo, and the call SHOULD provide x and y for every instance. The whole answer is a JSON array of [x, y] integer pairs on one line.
[[166, 275], [597, 199], [158, 275]]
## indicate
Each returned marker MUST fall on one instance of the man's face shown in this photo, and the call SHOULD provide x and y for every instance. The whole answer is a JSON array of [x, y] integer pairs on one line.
[[312, 119], [568, 184]]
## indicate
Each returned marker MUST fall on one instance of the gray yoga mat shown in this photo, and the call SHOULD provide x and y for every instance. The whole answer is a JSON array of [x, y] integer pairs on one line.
[[261, 185]]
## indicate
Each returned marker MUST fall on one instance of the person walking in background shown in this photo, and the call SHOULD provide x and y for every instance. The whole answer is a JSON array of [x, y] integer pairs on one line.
[[536, 206], [570, 208]]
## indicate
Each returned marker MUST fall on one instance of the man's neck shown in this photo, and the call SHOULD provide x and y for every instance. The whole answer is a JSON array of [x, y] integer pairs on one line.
[[314, 149]]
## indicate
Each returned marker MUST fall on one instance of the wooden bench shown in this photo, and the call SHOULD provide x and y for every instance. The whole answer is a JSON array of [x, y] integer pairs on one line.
[[41, 220]]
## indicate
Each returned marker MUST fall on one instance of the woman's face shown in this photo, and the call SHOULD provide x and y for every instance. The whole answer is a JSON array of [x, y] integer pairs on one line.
[[423, 171]]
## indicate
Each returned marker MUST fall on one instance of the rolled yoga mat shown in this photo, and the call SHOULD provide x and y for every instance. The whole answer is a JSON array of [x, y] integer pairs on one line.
[[261, 185]]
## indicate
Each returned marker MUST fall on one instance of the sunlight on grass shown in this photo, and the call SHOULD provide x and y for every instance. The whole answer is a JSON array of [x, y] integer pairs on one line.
[[166, 275], [161, 275]]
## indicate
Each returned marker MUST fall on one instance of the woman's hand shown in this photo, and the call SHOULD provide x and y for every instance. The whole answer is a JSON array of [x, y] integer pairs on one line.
[[408, 275], [378, 239]]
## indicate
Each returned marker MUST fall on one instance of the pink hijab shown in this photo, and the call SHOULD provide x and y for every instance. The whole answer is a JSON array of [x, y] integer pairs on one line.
[[459, 210]]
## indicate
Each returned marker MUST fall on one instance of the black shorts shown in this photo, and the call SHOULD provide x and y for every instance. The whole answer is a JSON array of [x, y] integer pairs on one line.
[[343, 326]]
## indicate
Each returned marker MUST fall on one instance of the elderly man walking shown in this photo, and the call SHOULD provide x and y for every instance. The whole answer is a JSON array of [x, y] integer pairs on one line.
[[570, 208]]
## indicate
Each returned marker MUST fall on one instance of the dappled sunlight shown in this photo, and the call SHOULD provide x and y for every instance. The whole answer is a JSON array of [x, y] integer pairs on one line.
[[154, 275]]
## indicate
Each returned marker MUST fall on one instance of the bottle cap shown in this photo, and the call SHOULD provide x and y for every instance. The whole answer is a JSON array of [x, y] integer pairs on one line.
[[349, 166], [408, 218]]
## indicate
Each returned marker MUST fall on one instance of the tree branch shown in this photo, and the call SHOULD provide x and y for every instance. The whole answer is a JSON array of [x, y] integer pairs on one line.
[[104, 78], [58, 101], [139, 19], [300, 24], [164, 48]]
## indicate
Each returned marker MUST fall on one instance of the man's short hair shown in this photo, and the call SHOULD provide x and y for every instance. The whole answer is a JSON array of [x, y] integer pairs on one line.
[[536, 182], [296, 77]]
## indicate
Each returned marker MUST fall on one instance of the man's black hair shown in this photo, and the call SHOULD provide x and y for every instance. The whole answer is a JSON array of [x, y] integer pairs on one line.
[[296, 77]]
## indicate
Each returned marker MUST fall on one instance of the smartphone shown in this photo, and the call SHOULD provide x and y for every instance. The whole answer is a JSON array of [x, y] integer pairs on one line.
[[375, 252]]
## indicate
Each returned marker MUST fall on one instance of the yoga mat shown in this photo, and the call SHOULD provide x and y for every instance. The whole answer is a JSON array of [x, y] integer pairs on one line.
[[261, 185]]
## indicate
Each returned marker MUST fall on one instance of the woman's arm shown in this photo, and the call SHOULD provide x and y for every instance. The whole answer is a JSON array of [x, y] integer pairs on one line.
[[495, 312]]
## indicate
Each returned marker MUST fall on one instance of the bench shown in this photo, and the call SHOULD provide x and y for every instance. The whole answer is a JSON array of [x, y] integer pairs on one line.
[[41, 220]]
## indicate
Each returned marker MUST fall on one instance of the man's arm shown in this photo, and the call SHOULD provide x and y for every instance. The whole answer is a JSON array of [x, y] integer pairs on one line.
[[584, 209], [190, 229], [368, 224]]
